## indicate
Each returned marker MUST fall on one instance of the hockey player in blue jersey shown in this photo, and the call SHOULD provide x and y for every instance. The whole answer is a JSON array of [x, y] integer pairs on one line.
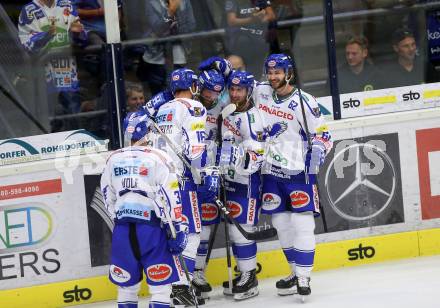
[[243, 135], [140, 190], [182, 120], [289, 172]]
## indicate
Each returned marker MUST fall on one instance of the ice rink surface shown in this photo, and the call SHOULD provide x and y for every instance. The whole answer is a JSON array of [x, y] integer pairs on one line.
[[409, 283]]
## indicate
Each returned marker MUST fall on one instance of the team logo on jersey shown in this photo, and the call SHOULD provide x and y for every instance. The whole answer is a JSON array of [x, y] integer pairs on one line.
[[316, 112], [271, 201], [299, 199], [159, 272], [197, 111], [209, 211], [119, 274], [235, 209]]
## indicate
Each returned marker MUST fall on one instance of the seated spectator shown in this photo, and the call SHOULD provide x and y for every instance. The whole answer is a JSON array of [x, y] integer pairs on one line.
[[164, 18], [358, 74], [237, 62], [247, 31], [408, 68], [135, 97]]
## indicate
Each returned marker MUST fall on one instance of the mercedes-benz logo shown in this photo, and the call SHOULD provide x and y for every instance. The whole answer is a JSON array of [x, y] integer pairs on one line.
[[360, 195]]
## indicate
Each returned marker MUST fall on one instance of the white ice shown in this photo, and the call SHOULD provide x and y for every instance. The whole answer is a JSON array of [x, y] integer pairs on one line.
[[409, 283]]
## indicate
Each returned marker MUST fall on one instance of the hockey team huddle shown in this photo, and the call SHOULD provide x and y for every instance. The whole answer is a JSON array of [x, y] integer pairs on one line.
[[217, 146]]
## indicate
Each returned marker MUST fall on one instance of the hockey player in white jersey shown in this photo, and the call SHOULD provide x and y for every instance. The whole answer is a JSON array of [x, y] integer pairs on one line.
[[289, 171], [183, 121], [140, 190], [211, 85], [243, 135]]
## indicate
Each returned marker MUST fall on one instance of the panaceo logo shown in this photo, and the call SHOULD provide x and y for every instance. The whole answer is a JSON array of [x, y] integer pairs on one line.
[[77, 294], [235, 209], [119, 274], [23, 226], [271, 201], [159, 272], [299, 199], [361, 252], [209, 211]]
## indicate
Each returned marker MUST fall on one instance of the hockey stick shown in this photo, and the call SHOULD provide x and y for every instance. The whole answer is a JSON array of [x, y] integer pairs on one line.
[[180, 257], [251, 236], [309, 148], [211, 244]]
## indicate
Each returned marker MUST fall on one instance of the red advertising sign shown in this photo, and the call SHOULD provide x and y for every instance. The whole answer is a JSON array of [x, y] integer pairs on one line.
[[428, 154], [30, 189]]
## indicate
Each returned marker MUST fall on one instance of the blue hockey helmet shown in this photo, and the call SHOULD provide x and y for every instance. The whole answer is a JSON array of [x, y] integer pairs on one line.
[[138, 127], [211, 80], [241, 79], [279, 60], [182, 79]]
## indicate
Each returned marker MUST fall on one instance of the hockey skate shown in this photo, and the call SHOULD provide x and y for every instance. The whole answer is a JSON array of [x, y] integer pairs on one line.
[[200, 284], [226, 290], [287, 286], [246, 287], [181, 296], [304, 287]]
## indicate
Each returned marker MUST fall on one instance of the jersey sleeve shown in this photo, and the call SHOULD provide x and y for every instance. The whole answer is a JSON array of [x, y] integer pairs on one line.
[[31, 36], [169, 193], [315, 121], [108, 191]]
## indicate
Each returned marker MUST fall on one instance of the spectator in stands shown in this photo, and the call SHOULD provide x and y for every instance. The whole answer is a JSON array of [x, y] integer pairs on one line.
[[247, 31], [45, 25], [358, 74], [237, 62], [165, 18], [91, 13], [135, 96], [408, 68]]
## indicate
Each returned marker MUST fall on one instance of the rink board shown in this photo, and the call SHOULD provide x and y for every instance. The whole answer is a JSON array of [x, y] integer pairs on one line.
[[64, 262], [328, 256]]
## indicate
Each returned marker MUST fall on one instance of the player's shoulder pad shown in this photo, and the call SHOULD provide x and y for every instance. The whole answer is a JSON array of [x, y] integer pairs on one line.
[[113, 154], [195, 108]]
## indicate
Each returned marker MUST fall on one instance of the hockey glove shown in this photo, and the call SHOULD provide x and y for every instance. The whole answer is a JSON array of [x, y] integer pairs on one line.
[[223, 66], [315, 156], [178, 244], [153, 105], [230, 155], [210, 185]]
